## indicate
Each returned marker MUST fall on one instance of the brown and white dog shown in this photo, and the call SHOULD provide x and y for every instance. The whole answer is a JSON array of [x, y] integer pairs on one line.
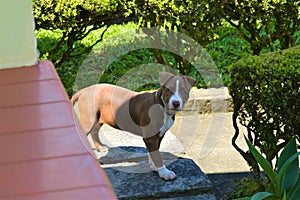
[[149, 115]]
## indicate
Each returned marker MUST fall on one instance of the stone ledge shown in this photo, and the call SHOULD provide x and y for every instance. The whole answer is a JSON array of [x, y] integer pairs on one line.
[[197, 197], [211, 100], [134, 180]]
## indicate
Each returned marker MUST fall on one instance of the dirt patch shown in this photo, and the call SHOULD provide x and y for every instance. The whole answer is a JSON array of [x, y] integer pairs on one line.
[[225, 184]]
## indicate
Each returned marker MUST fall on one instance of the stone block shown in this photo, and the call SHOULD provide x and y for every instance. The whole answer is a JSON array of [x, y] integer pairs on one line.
[[132, 179]]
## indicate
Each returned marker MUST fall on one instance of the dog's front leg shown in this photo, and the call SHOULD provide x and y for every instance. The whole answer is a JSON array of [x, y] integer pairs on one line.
[[155, 159], [163, 171]]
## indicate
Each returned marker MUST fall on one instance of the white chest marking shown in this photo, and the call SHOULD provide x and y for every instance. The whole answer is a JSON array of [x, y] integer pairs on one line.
[[168, 122]]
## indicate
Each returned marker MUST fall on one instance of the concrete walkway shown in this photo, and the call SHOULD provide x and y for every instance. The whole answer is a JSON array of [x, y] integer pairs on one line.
[[206, 138]]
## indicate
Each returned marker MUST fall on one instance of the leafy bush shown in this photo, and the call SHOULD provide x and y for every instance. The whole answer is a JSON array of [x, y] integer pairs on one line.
[[285, 180], [266, 97]]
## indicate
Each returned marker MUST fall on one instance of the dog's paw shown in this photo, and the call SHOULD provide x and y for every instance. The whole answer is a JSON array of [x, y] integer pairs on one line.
[[166, 174], [102, 148], [152, 168]]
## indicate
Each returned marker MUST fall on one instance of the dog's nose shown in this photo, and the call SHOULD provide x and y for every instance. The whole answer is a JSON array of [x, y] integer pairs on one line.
[[176, 104]]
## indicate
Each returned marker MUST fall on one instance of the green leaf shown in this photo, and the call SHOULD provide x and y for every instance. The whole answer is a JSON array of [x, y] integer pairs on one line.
[[291, 175], [282, 173], [244, 198], [262, 162], [289, 150], [294, 192], [284, 196], [261, 195]]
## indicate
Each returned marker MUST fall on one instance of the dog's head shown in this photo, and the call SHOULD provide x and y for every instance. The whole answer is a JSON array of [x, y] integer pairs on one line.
[[174, 91]]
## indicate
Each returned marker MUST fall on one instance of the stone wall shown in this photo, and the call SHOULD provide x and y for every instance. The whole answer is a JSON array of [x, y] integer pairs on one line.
[[211, 100]]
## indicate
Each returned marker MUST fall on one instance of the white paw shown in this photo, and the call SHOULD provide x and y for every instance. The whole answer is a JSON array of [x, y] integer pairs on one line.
[[166, 174]]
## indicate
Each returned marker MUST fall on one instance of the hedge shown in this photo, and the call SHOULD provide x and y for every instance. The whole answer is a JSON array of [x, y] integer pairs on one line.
[[266, 96]]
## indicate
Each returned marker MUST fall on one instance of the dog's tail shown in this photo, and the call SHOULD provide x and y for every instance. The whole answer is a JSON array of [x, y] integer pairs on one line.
[[75, 97]]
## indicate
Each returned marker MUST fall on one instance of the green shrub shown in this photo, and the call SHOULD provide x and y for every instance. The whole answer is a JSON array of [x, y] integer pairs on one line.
[[266, 97]]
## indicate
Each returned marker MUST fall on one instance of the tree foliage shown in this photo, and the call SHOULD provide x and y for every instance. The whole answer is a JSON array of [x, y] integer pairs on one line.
[[268, 23], [196, 19], [264, 23], [76, 19]]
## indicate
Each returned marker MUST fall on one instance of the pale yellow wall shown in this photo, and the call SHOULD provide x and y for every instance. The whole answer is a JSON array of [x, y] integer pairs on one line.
[[17, 40]]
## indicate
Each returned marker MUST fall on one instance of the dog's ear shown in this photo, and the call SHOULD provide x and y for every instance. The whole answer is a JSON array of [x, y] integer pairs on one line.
[[164, 77], [190, 80]]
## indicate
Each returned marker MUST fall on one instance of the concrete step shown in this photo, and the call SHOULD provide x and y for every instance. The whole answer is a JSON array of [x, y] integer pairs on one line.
[[136, 181], [197, 197], [211, 100], [127, 167]]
